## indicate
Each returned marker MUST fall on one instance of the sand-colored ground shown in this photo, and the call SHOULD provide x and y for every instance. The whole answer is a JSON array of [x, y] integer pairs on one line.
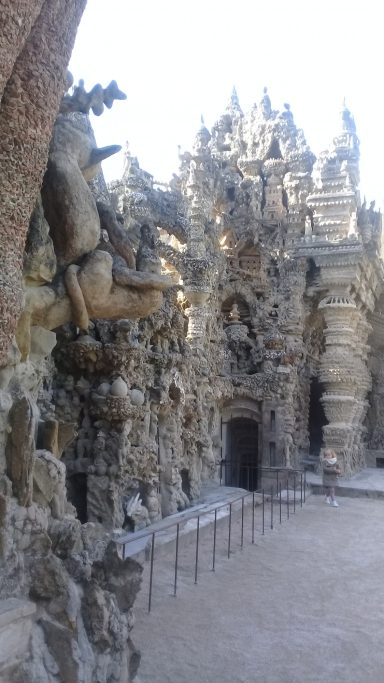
[[305, 604]]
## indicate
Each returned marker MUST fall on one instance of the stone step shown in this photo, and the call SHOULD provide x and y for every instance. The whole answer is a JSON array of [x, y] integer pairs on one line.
[[369, 483], [349, 492]]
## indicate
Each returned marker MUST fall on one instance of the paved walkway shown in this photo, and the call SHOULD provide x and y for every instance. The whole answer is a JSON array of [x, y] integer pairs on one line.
[[302, 605]]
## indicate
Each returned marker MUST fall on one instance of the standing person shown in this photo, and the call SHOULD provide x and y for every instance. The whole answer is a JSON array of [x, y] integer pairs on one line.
[[331, 470]]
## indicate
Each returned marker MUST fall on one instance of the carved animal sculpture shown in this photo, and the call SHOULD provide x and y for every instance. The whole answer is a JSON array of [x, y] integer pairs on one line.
[[69, 205]]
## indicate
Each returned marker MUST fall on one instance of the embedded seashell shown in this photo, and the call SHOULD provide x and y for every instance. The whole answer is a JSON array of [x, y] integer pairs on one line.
[[104, 389], [137, 397], [119, 388]]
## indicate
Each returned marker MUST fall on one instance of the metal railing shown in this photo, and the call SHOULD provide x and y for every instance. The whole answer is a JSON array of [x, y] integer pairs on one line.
[[274, 506], [253, 477]]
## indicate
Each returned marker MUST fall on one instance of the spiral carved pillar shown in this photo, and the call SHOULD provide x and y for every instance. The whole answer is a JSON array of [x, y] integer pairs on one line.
[[340, 375], [197, 316]]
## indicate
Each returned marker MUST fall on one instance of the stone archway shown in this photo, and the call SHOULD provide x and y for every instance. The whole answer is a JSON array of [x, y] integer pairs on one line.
[[241, 444], [242, 469]]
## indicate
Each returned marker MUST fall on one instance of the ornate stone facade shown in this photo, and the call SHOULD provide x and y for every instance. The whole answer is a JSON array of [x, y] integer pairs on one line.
[[232, 319], [281, 272]]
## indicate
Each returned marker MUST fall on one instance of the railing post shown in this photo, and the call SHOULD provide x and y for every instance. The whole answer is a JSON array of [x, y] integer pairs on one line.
[[263, 511], [229, 529], [253, 516], [288, 497], [151, 573], [176, 559], [285, 476], [305, 485], [197, 547], [214, 541]]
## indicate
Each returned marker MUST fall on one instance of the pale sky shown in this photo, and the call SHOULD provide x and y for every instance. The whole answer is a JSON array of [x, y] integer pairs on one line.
[[178, 60]]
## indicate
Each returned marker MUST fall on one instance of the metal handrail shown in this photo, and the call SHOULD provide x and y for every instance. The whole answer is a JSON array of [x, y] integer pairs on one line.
[[254, 469], [169, 523]]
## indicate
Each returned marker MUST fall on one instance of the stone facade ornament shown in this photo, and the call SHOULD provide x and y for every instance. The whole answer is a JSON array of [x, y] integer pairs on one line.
[[247, 291]]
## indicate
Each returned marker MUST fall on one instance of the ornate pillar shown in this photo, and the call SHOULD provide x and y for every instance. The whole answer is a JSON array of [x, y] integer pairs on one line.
[[293, 274], [364, 385], [196, 265], [197, 316], [339, 373]]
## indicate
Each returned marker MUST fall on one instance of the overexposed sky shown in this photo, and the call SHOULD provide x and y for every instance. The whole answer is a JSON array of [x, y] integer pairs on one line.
[[176, 60]]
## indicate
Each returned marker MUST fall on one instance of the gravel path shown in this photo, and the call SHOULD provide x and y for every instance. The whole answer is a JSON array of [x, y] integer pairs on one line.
[[304, 604]]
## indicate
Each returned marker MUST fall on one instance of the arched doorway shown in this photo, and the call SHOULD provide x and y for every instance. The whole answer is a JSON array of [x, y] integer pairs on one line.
[[242, 453]]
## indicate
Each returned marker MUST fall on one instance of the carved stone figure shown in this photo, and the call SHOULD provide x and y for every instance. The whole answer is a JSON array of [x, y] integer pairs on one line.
[[69, 206], [133, 377], [20, 451]]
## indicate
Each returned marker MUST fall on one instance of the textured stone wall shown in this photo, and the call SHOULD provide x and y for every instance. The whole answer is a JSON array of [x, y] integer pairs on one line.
[[269, 277], [34, 76], [17, 19]]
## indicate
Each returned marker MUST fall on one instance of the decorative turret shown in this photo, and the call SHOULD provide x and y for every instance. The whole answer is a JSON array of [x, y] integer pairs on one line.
[[336, 201], [346, 145], [202, 139], [233, 107]]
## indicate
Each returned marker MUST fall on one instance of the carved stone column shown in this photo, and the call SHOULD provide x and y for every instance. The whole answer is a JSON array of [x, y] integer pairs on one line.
[[293, 274], [363, 386], [197, 316], [196, 265], [340, 375]]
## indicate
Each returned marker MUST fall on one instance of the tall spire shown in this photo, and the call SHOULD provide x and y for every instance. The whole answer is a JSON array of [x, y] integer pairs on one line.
[[233, 106], [336, 206], [234, 97], [347, 120], [202, 138], [346, 141]]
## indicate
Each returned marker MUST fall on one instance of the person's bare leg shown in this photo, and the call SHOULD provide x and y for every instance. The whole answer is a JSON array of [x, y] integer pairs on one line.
[[333, 502]]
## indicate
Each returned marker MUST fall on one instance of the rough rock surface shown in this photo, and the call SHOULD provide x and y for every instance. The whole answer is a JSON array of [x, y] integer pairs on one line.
[[228, 322], [34, 77]]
